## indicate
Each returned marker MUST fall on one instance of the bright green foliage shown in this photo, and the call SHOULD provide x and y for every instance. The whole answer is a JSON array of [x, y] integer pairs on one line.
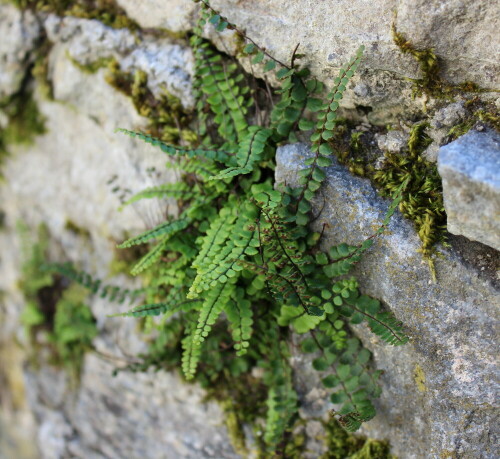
[[249, 153], [240, 265], [74, 328], [59, 312], [165, 229]]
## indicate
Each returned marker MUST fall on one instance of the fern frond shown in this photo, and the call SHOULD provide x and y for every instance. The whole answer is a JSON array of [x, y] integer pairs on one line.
[[172, 150], [190, 356], [382, 324], [239, 314], [156, 309], [250, 152], [164, 230], [219, 88], [225, 265], [216, 235], [150, 258], [213, 304], [312, 177], [178, 190], [111, 292]]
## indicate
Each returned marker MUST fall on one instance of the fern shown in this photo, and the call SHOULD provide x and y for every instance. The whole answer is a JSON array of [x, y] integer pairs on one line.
[[150, 258], [171, 150], [240, 257], [250, 152], [239, 314], [164, 230]]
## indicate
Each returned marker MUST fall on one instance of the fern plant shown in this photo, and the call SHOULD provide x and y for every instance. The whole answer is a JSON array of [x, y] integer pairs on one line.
[[240, 253]]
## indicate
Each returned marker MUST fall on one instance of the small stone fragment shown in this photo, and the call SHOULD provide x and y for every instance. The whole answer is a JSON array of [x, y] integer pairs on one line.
[[393, 141]]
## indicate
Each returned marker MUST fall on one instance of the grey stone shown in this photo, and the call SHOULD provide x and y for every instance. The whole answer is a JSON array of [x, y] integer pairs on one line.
[[19, 32], [470, 169], [440, 391], [440, 124], [449, 115], [169, 66], [462, 35], [393, 141], [173, 15], [152, 415], [67, 180]]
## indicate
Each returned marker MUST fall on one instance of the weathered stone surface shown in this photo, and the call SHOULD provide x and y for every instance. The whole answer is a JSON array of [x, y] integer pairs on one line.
[[169, 66], [332, 30], [19, 32], [63, 180], [440, 124], [440, 391], [470, 168], [393, 141], [173, 15], [151, 415]]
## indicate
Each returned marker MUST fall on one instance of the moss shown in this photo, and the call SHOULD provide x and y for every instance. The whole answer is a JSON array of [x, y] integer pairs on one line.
[[23, 121], [422, 201], [106, 11], [92, 67], [167, 118], [40, 70], [431, 82], [342, 445], [78, 230]]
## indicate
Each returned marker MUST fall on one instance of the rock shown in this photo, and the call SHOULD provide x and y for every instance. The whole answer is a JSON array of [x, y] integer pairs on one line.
[[169, 66], [470, 168], [393, 141], [152, 415], [173, 15], [20, 32], [71, 172], [441, 123], [439, 397], [449, 115]]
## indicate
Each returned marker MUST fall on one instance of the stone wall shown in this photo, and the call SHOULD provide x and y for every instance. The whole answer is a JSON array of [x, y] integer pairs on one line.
[[439, 392]]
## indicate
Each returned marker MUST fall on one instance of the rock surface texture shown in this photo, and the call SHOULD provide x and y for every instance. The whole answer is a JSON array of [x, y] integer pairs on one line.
[[453, 326], [470, 168], [439, 392]]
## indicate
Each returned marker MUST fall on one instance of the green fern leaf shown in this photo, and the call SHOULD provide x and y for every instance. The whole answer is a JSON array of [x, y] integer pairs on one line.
[[150, 258], [164, 230]]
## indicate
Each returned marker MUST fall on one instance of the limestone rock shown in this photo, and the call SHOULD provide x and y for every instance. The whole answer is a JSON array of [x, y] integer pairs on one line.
[[173, 15], [439, 392], [66, 180], [470, 168], [152, 415], [19, 32], [441, 123], [332, 30], [169, 66]]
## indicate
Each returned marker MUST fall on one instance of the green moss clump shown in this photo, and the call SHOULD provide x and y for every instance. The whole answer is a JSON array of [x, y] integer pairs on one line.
[[24, 120], [342, 445], [422, 201], [431, 82], [423, 197], [106, 11]]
